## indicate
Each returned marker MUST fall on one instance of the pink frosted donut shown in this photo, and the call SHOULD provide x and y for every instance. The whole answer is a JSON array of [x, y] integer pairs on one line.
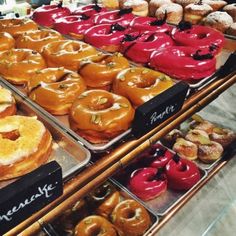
[[89, 10]]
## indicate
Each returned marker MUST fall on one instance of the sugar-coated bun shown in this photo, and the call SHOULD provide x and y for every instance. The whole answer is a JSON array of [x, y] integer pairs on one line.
[[110, 4], [215, 4], [184, 3], [140, 7], [232, 29], [231, 10], [155, 4]]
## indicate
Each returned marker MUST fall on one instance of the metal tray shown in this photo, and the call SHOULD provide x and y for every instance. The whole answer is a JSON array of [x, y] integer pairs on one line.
[[71, 156]]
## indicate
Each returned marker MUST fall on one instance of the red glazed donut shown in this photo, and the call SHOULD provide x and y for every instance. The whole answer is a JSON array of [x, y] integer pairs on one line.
[[181, 174], [147, 183], [46, 14], [185, 63], [105, 36], [140, 48], [89, 10], [73, 25], [199, 36], [122, 17]]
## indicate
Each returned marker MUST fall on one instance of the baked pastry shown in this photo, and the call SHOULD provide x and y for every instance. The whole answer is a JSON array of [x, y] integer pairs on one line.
[[169, 139], [231, 10], [194, 13], [155, 4], [37, 39], [215, 4], [140, 84], [197, 136], [232, 29], [25, 144], [201, 124], [184, 3], [55, 89], [98, 116], [110, 4], [218, 20], [101, 74], [139, 7], [7, 103], [17, 65], [174, 13], [6, 41]]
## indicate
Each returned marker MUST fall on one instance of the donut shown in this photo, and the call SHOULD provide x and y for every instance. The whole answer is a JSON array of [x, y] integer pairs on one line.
[[95, 225], [184, 63], [139, 49], [7, 103], [222, 136], [131, 218], [105, 36], [169, 139], [6, 41], [199, 36], [74, 25], [15, 27], [181, 174], [17, 65], [140, 84], [201, 124], [69, 54], [186, 149], [122, 17], [89, 10], [37, 39], [55, 89], [25, 144], [139, 7], [231, 10], [98, 115], [155, 4], [46, 14], [197, 136], [147, 183], [101, 74]]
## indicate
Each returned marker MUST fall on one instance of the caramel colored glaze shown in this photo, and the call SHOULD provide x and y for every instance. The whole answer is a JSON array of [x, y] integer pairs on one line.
[[37, 39], [100, 74], [27, 158], [70, 54], [15, 27], [95, 225], [98, 115], [7, 103], [55, 89], [131, 218], [140, 84], [6, 41], [17, 65]]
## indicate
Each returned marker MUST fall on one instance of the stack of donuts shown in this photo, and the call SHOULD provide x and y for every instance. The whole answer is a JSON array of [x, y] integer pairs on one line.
[[156, 170], [105, 211], [203, 141], [25, 143]]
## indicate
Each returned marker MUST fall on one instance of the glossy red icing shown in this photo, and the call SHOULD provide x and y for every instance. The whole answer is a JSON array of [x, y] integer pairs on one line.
[[145, 184], [46, 14], [72, 24], [112, 17], [199, 36], [179, 62], [140, 49], [89, 10], [182, 174]]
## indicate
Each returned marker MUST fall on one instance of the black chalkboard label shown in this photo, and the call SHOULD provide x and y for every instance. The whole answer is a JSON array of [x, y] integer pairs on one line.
[[158, 109], [29, 194]]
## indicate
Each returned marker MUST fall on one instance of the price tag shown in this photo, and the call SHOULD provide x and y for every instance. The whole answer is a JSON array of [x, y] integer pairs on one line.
[[30, 193], [158, 109]]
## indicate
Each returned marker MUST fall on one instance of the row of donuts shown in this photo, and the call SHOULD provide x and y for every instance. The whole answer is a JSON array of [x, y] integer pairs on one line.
[[97, 115], [146, 40], [25, 143], [104, 211]]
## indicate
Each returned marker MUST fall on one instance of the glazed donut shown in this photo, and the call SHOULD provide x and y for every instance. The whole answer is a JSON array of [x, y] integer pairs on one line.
[[55, 89], [99, 116], [7, 103], [139, 49], [73, 25], [101, 74], [95, 225], [37, 39], [105, 36], [122, 17], [6, 41], [47, 14], [89, 10], [69, 53], [184, 63], [131, 218], [15, 27], [25, 144], [181, 174], [140, 84], [197, 136], [17, 65], [199, 36], [147, 183]]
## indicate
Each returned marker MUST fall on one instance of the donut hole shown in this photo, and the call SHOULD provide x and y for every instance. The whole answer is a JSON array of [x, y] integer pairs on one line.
[[102, 192], [150, 38], [182, 168], [95, 231], [129, 214], [146, 83], [73, 47], [101, 103], [11, 135], [202, 36]]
